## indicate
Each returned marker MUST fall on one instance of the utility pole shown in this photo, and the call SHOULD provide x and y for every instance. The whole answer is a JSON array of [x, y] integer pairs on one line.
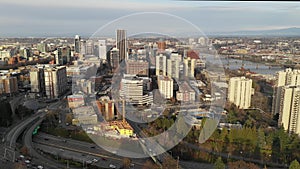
[[123, 109]]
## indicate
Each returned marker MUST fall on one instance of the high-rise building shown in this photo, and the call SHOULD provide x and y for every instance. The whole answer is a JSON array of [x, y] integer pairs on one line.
[[37, 80], [114, 59], [63, 55], [42, 47], [284, 78], [8, 85], [102, 49], [55, 81], [82, 48], [173, 68], [137, 67], [161, 65], [106, 108], [161, 45], [189, 67], [289, 110], [89, 47], [77, 44], [132, 90], [121, 44], [165, 86], [240, 91]]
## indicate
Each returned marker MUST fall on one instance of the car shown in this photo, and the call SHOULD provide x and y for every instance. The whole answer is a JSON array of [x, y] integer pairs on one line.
[[61, 150], [95, 160], [112, 166], [93, 147], [46, 139], [40, 167], [104, 159], [89, 162], [27, 161], [21, 156]]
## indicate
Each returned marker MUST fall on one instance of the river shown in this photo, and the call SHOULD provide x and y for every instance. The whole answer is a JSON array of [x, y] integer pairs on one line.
[[235, 64]]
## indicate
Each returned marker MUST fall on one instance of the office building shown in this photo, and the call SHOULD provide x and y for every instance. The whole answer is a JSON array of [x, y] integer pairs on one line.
[[106, 108], [161, 45], [165, 86], [8, 85], [189, 67], [82, 47], [161, 65], [240, 91], [42, 47], [37, 80], [102, 49], [121, 44], [114, 59], [63, 55], [137, 67], [185, 93], [133, 91], [55, 81], [89, 49], [289, 110], [77, 44]]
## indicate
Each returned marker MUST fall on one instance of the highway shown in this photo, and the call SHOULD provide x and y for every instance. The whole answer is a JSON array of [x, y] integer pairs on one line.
[[36, 157], [73, 149]]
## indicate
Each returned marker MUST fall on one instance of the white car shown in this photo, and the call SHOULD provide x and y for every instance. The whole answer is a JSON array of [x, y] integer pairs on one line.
[[27, 161], [95, 160], [112, 166], [40, 167], [89, 162]]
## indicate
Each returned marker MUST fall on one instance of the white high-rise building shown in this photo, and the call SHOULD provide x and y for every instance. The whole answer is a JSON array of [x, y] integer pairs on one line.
[[161, 65], [289, 109], [240, 91], [284, 78], [173, 68], [165, 86], [173, 65], [102, 49], [189, 67], [133, 90]]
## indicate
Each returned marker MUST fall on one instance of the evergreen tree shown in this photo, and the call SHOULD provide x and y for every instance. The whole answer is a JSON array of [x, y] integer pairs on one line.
[[219, 164], [294, 165]]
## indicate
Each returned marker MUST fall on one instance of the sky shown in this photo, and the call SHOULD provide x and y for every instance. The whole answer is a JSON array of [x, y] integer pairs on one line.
[[33, 18]]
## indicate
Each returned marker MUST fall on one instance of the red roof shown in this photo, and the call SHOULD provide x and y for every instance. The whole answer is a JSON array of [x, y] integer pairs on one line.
[[192, 54]]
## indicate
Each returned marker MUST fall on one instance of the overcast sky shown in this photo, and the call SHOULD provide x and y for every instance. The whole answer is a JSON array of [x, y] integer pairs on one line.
[[70, 17]]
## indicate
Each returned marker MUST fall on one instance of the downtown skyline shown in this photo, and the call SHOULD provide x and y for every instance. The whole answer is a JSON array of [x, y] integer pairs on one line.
[[46, 19]]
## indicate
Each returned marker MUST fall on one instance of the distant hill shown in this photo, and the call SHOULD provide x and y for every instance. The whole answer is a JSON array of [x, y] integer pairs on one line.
[[294, 31]]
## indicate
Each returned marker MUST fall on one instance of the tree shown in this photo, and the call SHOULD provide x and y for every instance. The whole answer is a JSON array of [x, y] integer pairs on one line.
[[148, 164], [242, 165], [294, 165], [24, 150], [219, 164], [169, 163], [126, 163], [19, 166], [69, 118]]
